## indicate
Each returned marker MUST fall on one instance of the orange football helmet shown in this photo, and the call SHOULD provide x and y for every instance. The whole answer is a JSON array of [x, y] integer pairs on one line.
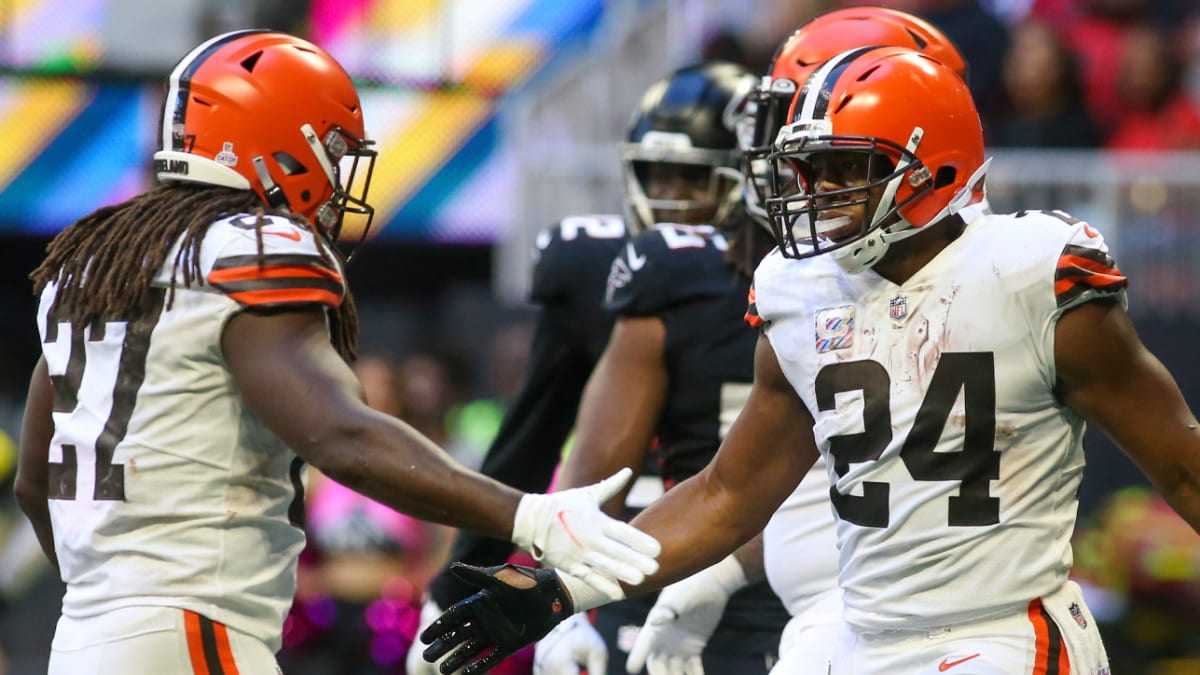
[[268, 112], [812, 44], [914, 122]]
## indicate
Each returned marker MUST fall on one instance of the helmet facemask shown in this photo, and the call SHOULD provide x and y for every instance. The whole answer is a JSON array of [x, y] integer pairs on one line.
[[766, 112], [350, 165], [808, 220], [668, 180]]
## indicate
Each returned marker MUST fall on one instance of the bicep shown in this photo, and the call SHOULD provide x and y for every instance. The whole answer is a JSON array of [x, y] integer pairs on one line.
[[621, 404], [1107, 375], [770, 446], [290, 376]]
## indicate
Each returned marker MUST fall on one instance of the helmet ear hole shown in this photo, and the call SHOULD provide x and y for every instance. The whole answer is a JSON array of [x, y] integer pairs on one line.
[[305, 195], [291, 166], [945, 176]]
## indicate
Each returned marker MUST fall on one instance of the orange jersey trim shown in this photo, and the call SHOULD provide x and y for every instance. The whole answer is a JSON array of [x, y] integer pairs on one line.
[[752, 316], [253, 272], [287, 296]]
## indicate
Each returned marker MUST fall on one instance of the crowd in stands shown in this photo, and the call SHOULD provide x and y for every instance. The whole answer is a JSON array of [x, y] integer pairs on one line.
[[1115, 74]]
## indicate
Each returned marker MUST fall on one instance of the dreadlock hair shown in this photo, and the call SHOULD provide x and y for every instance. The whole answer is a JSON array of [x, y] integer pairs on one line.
[[749, 243], [104, 263]]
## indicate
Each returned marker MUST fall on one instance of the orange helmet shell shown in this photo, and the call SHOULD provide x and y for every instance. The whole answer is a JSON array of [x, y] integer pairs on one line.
[[835, 32], [888, 101], [888, 93], [260, 98]]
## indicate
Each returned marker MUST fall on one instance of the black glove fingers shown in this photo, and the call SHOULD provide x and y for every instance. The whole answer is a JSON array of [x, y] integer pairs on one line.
[[463, 655], [486, 663]]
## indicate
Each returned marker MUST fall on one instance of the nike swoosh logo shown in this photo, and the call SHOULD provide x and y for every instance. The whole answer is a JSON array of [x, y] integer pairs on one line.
[[636, 262], [562, 518], [947, 665], [293, 235]]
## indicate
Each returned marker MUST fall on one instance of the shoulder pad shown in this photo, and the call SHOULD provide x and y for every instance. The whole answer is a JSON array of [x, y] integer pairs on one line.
[[1085, 271], [567, 251], [294, 268], [665, 266]]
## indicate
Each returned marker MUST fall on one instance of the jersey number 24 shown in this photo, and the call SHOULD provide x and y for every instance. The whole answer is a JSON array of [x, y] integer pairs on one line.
[[975, 464]]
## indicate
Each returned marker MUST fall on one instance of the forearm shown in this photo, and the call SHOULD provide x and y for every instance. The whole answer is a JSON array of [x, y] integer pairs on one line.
[[37, 510], [32, 484], [390, 462], [715, 526]]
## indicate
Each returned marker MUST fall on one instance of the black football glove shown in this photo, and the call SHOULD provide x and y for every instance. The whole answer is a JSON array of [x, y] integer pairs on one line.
[[503, 616]]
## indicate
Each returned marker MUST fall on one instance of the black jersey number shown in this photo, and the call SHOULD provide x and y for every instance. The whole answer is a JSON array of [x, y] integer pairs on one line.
[[109, 482], [973, 374]]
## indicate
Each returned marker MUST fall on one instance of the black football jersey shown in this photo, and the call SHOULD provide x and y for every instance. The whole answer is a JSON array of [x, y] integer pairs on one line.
[[678, 273], [570, 271]]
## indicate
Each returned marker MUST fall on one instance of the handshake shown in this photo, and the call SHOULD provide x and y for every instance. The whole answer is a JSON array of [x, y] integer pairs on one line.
[[516, 605]]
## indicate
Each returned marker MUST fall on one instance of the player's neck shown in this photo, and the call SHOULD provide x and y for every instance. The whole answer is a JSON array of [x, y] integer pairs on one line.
[[907, 256]]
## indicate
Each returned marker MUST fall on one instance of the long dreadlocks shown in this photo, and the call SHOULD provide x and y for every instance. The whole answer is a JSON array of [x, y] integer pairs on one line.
[[104, 263], [749, 242]]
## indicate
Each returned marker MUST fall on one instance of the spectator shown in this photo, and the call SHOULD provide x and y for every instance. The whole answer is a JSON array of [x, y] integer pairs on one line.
[[978, 34], [1159, 115], [1139, 564], [1042, 93]]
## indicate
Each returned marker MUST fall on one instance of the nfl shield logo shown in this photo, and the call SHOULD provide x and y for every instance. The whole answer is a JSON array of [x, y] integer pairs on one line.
[[1077, 614], [898, 307]]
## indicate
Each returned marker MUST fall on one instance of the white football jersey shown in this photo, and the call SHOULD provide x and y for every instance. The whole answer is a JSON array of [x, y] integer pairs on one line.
[[954, 470], [799, 544], [165, 488]]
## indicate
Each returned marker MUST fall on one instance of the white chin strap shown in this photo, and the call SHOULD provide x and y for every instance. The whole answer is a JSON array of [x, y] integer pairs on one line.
[[865, 252]]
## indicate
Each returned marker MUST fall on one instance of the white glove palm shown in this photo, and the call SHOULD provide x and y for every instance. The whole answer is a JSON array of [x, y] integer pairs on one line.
[[683, 619], [568, 530], [572, 644], [415, 664]]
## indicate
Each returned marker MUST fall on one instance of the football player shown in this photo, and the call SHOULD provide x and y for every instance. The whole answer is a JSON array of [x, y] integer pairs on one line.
[[802, 524], [679, 361], [688, 612], [195, 345], [571, 268], [944, 362]]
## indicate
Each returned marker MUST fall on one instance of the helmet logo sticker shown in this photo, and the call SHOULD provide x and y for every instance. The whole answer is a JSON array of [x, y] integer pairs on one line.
[[226, 156], [835, 328]]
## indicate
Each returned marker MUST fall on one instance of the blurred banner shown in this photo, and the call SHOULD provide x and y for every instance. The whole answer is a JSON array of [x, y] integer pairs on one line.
[[81, 86]]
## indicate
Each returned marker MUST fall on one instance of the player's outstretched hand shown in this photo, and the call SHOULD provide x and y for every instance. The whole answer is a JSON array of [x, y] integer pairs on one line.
[[574, 646], [515, 606], [568, 530], [683, 619]]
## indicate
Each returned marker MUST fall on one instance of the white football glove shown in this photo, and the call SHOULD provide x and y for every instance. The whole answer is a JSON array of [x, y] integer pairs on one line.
[[568, 530], [414, 664], [683, 619], [572, 644]]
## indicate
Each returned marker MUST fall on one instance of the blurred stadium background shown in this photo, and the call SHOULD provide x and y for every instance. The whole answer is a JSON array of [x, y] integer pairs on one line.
[[496, 118]]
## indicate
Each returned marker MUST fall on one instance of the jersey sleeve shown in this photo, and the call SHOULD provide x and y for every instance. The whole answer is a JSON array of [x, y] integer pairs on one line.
[[665, 267], [291, 271], [753, 318], [1085, 271]]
